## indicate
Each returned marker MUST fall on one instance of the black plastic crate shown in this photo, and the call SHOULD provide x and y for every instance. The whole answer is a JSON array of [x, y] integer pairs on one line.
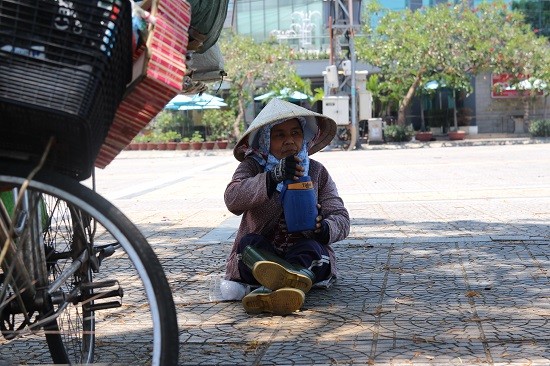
[[64, 67]]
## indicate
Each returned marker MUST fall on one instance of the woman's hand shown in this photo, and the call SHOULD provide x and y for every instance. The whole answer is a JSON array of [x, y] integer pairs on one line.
[[318, 219], [288, 168], [322, 231]]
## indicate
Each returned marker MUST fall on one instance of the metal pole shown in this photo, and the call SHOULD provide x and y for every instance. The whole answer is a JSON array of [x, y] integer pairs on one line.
[[331, 53], [354, 130]]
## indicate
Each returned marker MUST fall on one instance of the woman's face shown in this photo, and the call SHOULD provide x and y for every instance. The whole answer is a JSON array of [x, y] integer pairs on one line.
[[286, 138]]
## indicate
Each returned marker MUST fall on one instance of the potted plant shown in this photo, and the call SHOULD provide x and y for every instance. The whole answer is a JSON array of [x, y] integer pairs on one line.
[[424, 136], [172, 138], [455, 133], [141, 141], [160, 140], [152, 141], [184, 144], [196, 140], [222, 143], [210, 142], [219, 123]]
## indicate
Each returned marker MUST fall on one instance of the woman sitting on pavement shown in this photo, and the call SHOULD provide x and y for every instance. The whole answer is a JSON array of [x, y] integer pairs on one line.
[[275, 148]]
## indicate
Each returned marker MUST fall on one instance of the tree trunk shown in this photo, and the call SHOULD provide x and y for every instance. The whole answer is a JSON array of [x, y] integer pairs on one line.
[[404, 104], [238, 119], [455, 119], [545, 102], [422, 119]]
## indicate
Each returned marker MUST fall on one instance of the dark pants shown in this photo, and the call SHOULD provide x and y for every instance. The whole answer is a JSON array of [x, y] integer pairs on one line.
[[306, 253]]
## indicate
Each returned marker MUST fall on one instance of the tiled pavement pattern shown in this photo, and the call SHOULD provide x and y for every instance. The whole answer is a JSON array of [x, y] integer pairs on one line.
[[446, 264]]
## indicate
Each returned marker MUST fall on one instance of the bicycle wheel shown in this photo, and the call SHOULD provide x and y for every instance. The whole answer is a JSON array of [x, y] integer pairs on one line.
[[106, 298]]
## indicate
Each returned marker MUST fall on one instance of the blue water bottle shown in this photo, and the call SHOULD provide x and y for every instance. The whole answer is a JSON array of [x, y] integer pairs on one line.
[[299, 204]]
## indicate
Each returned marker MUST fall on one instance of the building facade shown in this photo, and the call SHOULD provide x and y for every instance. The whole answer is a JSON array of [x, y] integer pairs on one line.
[[303, 25]]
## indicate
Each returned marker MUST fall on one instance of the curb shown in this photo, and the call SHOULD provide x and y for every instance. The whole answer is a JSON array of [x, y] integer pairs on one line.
[[448, 143]]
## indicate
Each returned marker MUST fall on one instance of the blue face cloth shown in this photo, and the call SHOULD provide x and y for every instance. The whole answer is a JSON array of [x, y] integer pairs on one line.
[[259, 148]]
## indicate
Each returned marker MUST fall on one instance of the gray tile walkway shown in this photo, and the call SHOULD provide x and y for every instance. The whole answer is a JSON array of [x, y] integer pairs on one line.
[[447, 262]]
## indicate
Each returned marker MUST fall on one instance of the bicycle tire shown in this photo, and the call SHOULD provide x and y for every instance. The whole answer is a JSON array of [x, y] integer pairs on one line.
[[155, 337]]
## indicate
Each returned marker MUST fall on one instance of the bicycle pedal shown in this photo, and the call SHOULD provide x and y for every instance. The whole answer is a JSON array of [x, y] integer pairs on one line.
[[99, 284], [92, 301], [102, 306], [9, 334]]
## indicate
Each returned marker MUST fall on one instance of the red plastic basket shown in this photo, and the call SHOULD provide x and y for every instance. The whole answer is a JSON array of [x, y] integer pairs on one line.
[[158, 76]]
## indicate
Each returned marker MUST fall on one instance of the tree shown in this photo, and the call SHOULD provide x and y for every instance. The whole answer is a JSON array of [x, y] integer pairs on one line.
[[170, 120], [525, 58], [413, 47], [218, 123], [447, 43], [255, 68], [385, 96]]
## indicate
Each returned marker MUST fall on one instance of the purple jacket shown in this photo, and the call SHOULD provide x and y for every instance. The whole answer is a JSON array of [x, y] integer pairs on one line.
[[246, 194]]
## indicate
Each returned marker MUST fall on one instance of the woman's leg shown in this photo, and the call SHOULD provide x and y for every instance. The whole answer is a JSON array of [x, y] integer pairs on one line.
[[310, 254], [256, 241], [281, 301]]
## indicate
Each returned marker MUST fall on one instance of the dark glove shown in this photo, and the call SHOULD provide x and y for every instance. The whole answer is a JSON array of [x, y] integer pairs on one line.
[[321, 232], [286, 169]]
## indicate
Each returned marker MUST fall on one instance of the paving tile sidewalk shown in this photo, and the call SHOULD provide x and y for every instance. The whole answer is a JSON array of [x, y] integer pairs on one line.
[[447, 262], [430, 275]]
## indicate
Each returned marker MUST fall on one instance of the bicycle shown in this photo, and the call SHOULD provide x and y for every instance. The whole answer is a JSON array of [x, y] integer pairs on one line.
[[72, 266]]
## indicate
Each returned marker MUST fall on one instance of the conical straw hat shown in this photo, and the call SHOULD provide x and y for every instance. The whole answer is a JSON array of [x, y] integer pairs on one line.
[[281, 110]]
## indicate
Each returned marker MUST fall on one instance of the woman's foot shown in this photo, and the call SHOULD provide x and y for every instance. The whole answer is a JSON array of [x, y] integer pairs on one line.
[[283, 301], [274, 276]]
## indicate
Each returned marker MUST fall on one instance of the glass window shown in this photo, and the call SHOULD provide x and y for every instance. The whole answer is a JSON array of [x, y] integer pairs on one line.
[[298, 23], [243, 23]]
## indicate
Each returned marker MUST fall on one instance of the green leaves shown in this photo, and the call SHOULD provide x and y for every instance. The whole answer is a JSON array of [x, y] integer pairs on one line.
[[218, 123], [253, 68], [450, 43]]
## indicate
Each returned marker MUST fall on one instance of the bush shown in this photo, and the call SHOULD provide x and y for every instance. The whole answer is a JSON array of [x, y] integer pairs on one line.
[[219, 123], [142, 138], [540, 128], [197, 137], [396, 133], [172, 136]]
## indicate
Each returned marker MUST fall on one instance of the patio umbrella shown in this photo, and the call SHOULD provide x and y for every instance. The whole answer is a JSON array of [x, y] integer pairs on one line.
[[284, 93], [184, 102], [198, 107], [435, 85]]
